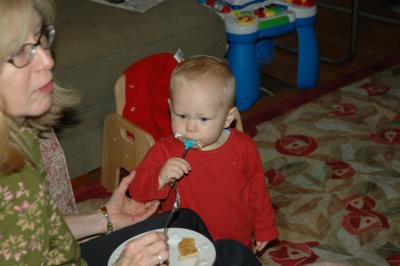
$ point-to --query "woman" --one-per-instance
(32, 231)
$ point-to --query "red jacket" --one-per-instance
(147, 91)
(226, 187)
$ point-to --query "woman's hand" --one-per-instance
(149, 250)
(124, 211)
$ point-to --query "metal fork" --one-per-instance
(177, 202)
(175, 208)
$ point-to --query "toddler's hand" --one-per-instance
(174, 168)
(259, 246)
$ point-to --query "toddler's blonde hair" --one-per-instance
(196, 68)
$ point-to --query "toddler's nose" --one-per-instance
(190, 126)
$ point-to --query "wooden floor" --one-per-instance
(376, 40)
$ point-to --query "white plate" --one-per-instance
(206, 248)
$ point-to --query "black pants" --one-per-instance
(229, 252)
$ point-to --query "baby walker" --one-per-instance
(250, 26)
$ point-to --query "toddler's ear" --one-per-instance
(230, 117)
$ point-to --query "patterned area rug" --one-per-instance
(333, 167)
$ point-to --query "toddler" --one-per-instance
(223, 181)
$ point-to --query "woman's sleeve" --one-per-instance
(32, 231)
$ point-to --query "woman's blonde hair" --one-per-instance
(195, 68)
(15, 17)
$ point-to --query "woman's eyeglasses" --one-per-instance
(24, 56)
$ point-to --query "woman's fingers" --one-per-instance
(123, 186)
(150, 238)
(150, 249)
(161, 258)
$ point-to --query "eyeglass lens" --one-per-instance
(25, 55)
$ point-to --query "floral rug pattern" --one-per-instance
(333, 168)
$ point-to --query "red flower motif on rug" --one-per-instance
(341, 170)
(293, 254)
(390, 136)
(274, 177)
(365, 203)
(332, 174)
(375, 89)
(358, 222)
(394, 260)
(344, 109)
(298, 145)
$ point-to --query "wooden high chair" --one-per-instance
(120, 149)
(124, 143)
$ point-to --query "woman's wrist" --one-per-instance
(86, 225)
(109, 228)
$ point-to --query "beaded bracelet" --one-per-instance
(110, 227)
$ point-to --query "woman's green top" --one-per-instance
(32, 231)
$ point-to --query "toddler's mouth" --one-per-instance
(188, 142)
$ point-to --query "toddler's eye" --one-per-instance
(181, 116)
(204, 119)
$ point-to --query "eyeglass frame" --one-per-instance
(48, 31)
